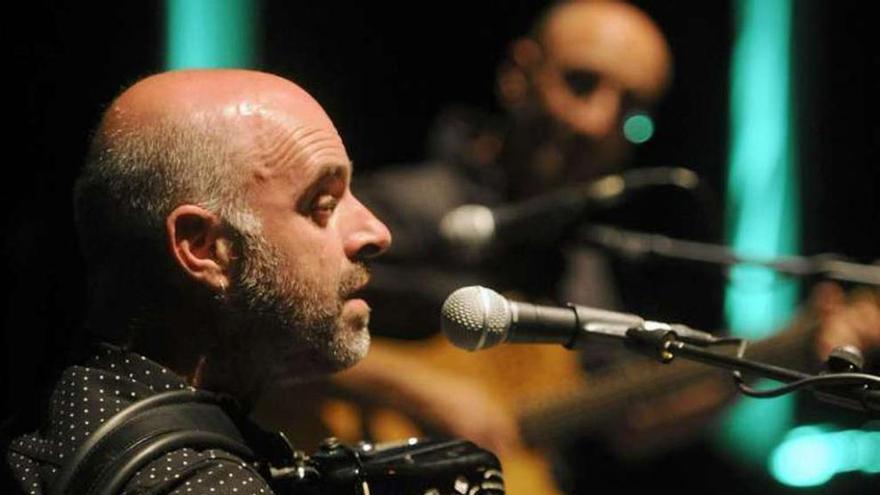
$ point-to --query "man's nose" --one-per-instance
(366, 236)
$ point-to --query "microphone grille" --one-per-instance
(475, 318)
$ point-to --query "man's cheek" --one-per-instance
(321, 278)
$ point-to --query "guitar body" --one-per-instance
(552, 399)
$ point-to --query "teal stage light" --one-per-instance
(763, 221)
(762, 204)
(812, 455)
(210, 33)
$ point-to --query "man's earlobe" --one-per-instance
(198, 245)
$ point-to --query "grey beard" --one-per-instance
(286, 328)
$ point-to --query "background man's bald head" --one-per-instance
(611, 37)
(585, 67)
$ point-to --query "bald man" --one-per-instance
(225, 253)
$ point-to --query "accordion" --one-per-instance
(414, 466)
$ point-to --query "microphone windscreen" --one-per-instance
(475, 318)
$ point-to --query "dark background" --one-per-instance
(383, 72)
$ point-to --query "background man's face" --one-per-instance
(598, 64)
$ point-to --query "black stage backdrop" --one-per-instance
(382, 72)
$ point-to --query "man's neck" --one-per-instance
(196, 349)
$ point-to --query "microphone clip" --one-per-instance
(653, 339)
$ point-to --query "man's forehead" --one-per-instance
(301, 153)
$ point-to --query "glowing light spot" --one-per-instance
(812, 455)
(638, 128)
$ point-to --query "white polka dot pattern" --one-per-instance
(88, 395)
(189, 472)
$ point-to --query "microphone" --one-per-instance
(475, 318)
(473, 228)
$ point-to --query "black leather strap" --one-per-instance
(143, 432)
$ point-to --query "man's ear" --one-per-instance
(199, 245)
(515, 75)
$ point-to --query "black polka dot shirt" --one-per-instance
(88, 395)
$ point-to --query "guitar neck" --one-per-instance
(546, 420)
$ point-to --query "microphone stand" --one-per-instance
(858, 391)
(636, 244)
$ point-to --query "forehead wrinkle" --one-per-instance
(280, 144)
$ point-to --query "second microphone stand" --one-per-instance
(841, 387)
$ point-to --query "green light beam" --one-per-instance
(761, 204)
(210, 33)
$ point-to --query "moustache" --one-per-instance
(354, 280)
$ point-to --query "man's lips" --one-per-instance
(357, 313)
(355, 294)
(358, 291)
(355, 298)
(353, 301)
(357, 304)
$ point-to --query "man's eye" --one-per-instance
(581, 82)
(324, 207)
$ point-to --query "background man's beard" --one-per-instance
(290, 328)
(544, 153)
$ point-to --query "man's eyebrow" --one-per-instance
(330, 170)
(318, 173)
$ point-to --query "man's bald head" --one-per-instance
(188, 137)
(230, 97)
